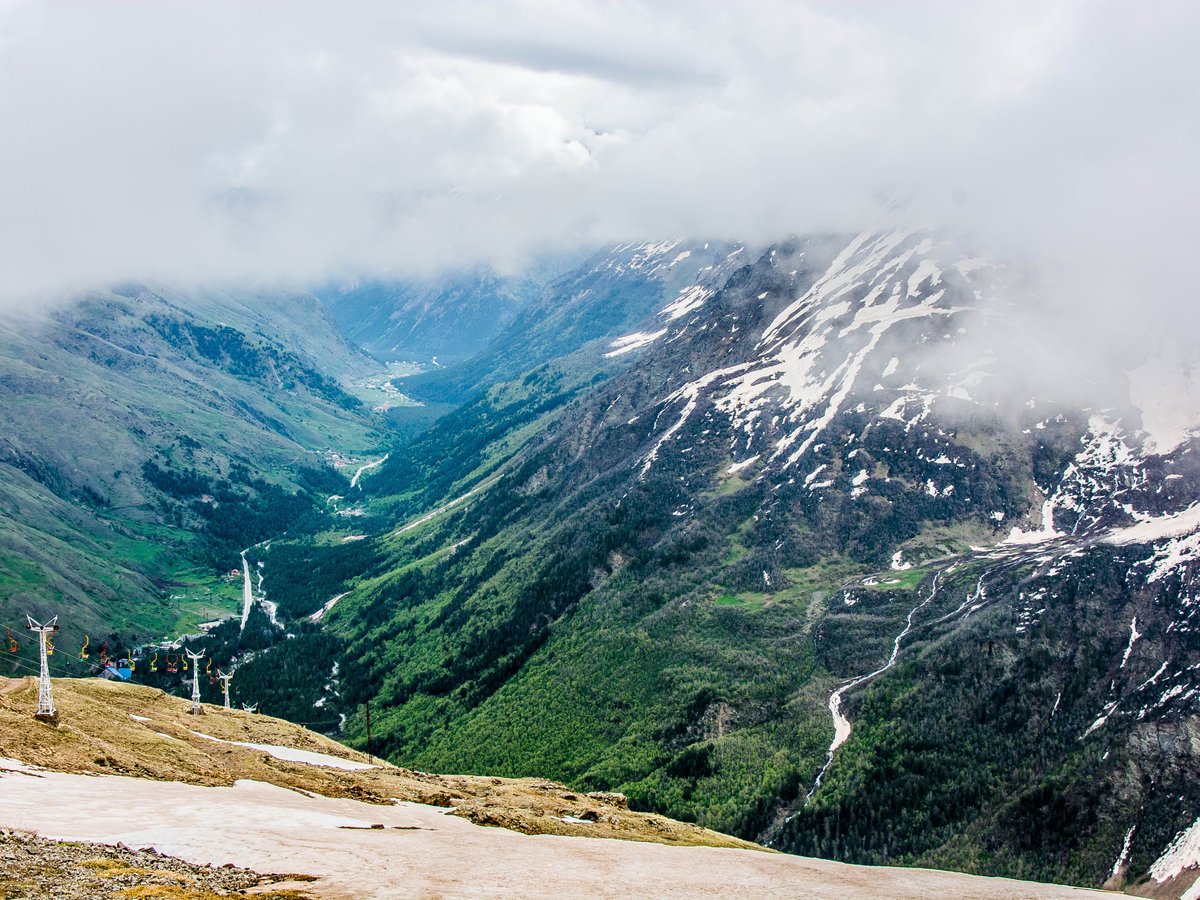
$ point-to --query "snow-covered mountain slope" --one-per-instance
(903, 328)
(893, 375)
(833, 550)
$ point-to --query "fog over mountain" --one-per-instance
(283, 143)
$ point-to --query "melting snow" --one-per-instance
(634, 341)
(689, 298)
(1108, 711)
(793, 356)
(1046, 533)
(690, 392)
(1157, 529)
(1183, 853)
(1134, 634)
(1119, 864)
(1153, 678)
(737, 467)
(291, 754)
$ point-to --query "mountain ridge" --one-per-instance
(744, 465)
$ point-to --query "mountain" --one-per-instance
(818, 494)
(821, 544)
(148, 432)
(607, 294)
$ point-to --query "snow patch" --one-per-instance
(634, 341)
(1046, 533)
(737, 467)
(689, 298)
(291, 754)
(1119, 865)
(1134, 634)
(1183, 853)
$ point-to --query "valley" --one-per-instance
(634, 450)
(798, 564)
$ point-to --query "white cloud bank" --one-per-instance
(280, 142)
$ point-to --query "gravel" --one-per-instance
(35, 868)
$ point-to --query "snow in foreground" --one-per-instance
(420, 851)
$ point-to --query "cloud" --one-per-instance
(284, 142)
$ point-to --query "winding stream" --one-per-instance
(841, 724)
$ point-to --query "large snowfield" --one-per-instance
(421, 851)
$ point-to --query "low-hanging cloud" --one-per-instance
(285, 142)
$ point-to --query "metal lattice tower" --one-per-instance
(46, 710)
(225, 679)
(250, 709)
(195, 658)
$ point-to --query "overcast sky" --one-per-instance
(289, 141)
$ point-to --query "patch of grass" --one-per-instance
(824, 577)
(748, 600)
(908, 580)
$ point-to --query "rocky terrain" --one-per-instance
(32, 868)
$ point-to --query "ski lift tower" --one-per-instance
(225, 678)
(195, 658)
(46, 711)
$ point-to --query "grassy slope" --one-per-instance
(88, 396)
(97, 734)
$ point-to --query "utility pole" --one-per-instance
(46, 711)
(225, 679)
(369, 755)
(250, 709)
(195, 658)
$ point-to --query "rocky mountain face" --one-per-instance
(821, 556)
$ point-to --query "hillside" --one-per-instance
(805, 559)
(147, 433)
(214, 800)
(121, 729)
